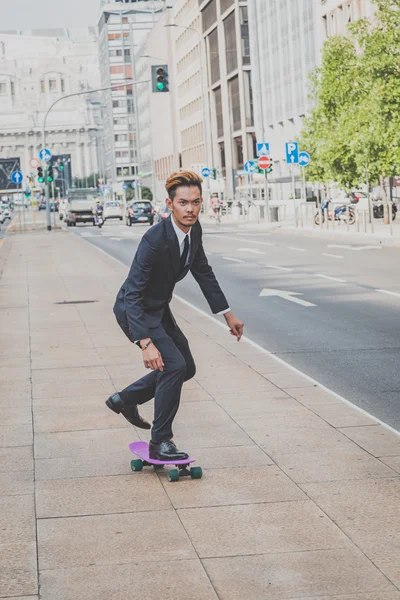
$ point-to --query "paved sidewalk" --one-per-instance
(300, 497)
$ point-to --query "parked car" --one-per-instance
(162, 213)
(42, 204)
(139, 212)
(113, 210)
(5, 210)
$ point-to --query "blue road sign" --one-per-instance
(292, 153)
(133, 185)
(250, 166)
(45, 154)
(206, 172)
(304, 159)
(17, 177)
(263, 149)
(124, 187)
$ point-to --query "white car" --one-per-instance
(113, 210)
(5, 211)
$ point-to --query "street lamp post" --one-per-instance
(110, 87)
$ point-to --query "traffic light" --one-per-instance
(269, 170)
(40, 177)
(61, 166)
(159, 78)
(50, 174)
(214, 173)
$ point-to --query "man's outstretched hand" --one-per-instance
(235, 326)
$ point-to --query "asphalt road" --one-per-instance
(345, 332)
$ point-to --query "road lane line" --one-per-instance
(115, 239)
(389, 293)
(207, 253)
(252, 250)
(264, 351)
(332, 255)
(331, 278)
(280, 268)
(298, 249)
(233, 259)
(236, 239)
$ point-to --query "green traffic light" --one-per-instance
(61, 167)
(40, 179)
(49, 179)
(160, 86)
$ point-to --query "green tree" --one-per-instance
(82, 182)
(146, 194)
(354, 126)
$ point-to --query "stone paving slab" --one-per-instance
(299, 499)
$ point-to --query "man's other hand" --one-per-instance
(235, 326)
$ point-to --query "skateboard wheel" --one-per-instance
(196, 472)
(136, 465)
(158, 467)
(173, 474)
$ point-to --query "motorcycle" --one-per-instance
(338, 214)
(379, 211)
(100, 221)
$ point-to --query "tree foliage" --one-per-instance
(354, 127)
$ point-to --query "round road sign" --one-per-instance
(264, 162)
(34, 163)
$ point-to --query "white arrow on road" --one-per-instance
(286, 296)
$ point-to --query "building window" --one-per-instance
(234, 100)
(249, 99)
(62, 85)
(121, 137)
(115, 103)
(225, 4)
(3, 88)
(52, 85)
(214, 55)
(244, 34)
(209, 15)
(239, 152)
(42, 86)
(114, 69)
(218, 112)
(222, 154)
(125, 19)
(2, 50)
(127, 52)
(12, 88)
(230, 43)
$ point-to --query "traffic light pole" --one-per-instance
(266, 198)
(104, 89)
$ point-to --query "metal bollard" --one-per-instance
(390, 219)
(347, 218)
(327, 218)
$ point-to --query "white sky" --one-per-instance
(44, 14)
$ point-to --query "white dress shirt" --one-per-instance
(181, 241)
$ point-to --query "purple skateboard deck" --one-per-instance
(141, 449)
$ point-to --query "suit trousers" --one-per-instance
(164, 386)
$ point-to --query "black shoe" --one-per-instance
(166, 450)
(129, 411)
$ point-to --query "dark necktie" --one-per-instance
(184, 253)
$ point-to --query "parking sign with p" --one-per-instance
(292, 153)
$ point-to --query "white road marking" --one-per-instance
(115, 239)
(280, 268)
(252, 250)
(233, 259)
(235, 239)
(298, 249)
(208, 253)
(331, 278)
(355, 248)
(86, 234)
(388, 292)
(286, 296)
(332, 255)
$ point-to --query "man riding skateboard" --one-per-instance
(166, 253)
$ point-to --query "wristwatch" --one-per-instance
(145, 346)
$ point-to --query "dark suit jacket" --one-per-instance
(147, 291)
